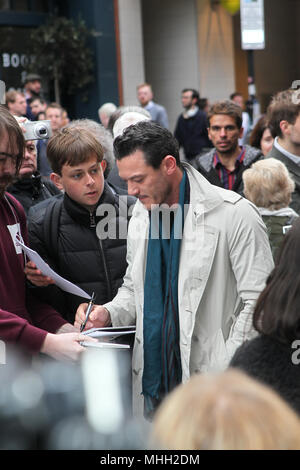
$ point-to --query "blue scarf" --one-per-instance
(162, 363)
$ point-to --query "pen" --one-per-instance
(88, 311)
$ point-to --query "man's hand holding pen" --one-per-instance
(98, 317)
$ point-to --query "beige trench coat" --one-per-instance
(225, 259)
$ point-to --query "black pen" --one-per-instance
(88, 311)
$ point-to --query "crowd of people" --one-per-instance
(176, 233)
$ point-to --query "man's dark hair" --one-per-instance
(155, 141)
(9, 125)
(233, 95)
(195, 94)
(282, 108)
(38, 98)
(277, 311)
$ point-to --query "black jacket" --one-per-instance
(204, 164)
(192, 135)
(271, 362)
(79, 254)
(32, 190)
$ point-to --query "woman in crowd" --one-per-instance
(269, 186)
(227, 411)
(261, 137)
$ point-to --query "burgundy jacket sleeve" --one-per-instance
(43, 315)
(19, 331)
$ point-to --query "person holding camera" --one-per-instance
(25, 322)
(30, 187)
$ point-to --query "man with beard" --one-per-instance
(191, 127)
(198, 257)
(25, 322)
(30, 188)
(224, 165)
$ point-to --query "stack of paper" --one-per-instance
(110, 333)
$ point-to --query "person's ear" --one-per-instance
(56, 179)
(104, 165)
(284, 126)
(169, 164)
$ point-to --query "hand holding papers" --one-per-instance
(65, 285)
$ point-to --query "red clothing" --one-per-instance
(228, 177)
(24, 320)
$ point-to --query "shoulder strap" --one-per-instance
(51, 224)
(13, 203)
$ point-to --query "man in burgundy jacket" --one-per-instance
(24, 321)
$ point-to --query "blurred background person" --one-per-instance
(269, 186)
(125, 109)
(54, 113)
(127, 119)
(274, 356)
(204, 104)
(157, 111)
(261, 137)
(191, 127)
(283, 116)
(227, 411)
(37, 106)
(41, 116)
(65, 118)
(105, 111)
(104, 138)
(32, 89)
(16, 103)
(239, 100)
(30, 188)
(126, 116)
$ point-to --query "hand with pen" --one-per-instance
(91, 316)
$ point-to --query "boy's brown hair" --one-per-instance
(70, 146)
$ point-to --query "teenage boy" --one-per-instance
(70, 232)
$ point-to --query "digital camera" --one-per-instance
(37, 130)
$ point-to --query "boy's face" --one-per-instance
(83, 183)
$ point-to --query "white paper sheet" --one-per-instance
(65, 285)
(109, 332)
(88, 344)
